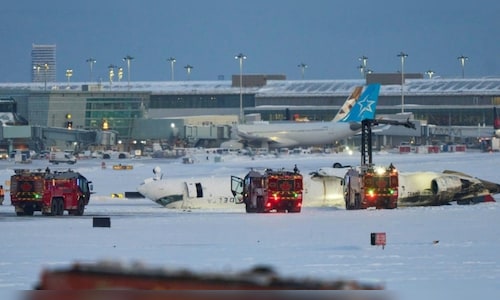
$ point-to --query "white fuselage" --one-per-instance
(294, 134)
(324, 189)
(215, 192)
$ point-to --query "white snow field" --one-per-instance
(445, 252)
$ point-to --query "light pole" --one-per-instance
(91, 62)
(361, 70)
(403, 56)
(69, 73)
(363, 67)
(429, 73)
(37, 67)
(120, 74)
(302, 67)
(188, 70)
(462, 60)
(241, 57)
(172, 61)
(128, 58)
(111, 75)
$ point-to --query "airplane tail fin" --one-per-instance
(348, 104)
(365, 106)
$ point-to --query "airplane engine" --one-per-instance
(446, 187)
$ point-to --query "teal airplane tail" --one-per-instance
(366, 105)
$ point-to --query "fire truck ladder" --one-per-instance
(366, 136)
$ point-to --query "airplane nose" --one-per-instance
(355, 126)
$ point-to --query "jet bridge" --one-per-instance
(38, 135)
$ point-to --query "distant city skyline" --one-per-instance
(277, 37)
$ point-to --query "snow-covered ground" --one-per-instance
(447, 252)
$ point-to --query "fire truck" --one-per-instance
(270, 190)
(368, 185)
(49, 192)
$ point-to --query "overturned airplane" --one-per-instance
(323, 188)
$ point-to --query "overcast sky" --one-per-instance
(276, 36)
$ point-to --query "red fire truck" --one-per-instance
(370, 186)
(269, 190)
(49, 192)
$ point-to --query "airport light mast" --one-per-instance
(403, 56)
(91, 61)
(302, 67)
(241, 57)
(462, 60)
(172, 61)
(128, 58)
(69, 73)
(364, 65)
(188, 68)
(111, 68)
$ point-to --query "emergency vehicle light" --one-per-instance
(380, 170)
(370, 193)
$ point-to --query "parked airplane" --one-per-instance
(293, 134)
(323, 188)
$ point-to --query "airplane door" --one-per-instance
(194, 189)
(236, 185)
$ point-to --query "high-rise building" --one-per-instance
(43, 63)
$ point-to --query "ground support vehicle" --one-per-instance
(56, 157)
(52, 193)
(270, 190)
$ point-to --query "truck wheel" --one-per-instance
(250, 209)
(393, 204)
(260, 204)
(60, 207)
(19, 213)
(357, 201)
(81, 208)
(53, 207)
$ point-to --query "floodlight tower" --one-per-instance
(172, 61)
(91, 61)
(128, 58)
(111, 68)
(403, 57)
(241, 57)
(188, 70)
(429, 73)
(69, 73)
(363, 67)
(462, 60)
(302, 67)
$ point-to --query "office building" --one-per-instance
(43, 63)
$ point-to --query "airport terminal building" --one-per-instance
(201, 113)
